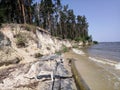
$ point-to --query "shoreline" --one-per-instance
(79, 81)
(96, 77)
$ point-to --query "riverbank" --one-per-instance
(29, 60)
(95, 76)
(20, 60)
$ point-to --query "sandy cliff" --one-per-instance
(28, 62)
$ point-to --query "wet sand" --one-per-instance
(95, 76)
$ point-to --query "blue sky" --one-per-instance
(103, 17)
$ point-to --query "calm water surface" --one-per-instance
(106, 50)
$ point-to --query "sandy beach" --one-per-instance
(95, 76)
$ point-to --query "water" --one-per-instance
(107, 56)
(107, 53)
(106, 50)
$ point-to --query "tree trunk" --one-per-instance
(29, 13)
(23, 12)
(19, 19)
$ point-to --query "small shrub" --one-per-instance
(77, 39)
(64, 49)
(95, 42)
(20, 40)
(30, 28)
(27, 27)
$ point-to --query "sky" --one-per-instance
(103, 17)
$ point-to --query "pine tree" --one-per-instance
(51, 15)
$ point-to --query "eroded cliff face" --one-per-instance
(49, 44)
(27, 44)
(28, 62)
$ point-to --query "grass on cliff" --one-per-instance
(21, 40)
(63, 50)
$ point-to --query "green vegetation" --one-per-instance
(21, 40)
(64, 49)
(78, 39)
(51, 15)
(29, 27)
(95, 42)
(84, 38)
